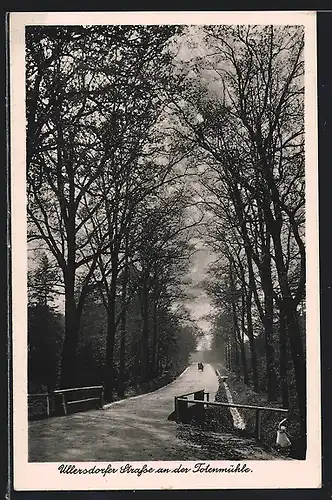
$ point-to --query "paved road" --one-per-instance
(134, 429)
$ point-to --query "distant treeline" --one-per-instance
(45, 344)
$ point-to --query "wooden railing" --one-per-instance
(46, 396)
(63, 401)
(182, 403)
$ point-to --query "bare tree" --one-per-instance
(80, 81)
(244, 109)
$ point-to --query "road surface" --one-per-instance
(134, 429)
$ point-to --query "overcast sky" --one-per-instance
(199, 304)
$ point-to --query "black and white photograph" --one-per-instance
(165, 262)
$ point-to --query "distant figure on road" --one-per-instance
(200, 366)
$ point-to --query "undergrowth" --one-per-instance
(242, 394)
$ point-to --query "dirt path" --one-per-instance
(133, 429)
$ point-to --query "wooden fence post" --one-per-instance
(63, 403)
(176, 409)
(48, 405)
(102, 397)
(182, 410)
(199, 395)
(200, 408)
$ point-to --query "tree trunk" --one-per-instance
(157, 360)
(283, 359)
(154, 341)
(247, 292)
(299, 363)
(109, 374)
(68, 357)
(145, 331)
(109, 369)
(272, 385)
(229, 355)
(293, 331)
(68, 361)
(235, 322)
(269, 350)
(236, 355)
(250, 333)
(122, 363)
(244, 363)
(242, 346)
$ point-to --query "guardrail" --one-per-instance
(41, 396)
(63, 401)
(182, 403)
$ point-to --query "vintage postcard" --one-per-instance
(165, 296)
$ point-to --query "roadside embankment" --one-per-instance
(234, 390)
